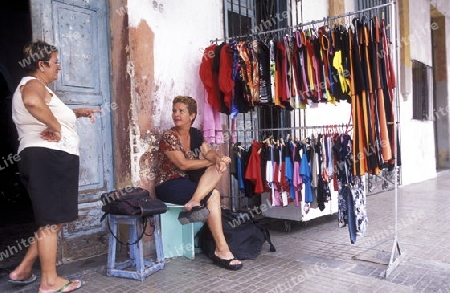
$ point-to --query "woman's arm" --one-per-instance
(212, 156)
(86, 112)
(177, 157)
(33, 96)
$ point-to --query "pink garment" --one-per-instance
(212, 126)
(276, 199)
(297, 182)
(233, 134)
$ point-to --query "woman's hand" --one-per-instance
(86, 112)
(50, 134)
(222, 163)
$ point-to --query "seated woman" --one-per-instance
(188, 174)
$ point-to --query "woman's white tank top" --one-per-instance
(29, 128)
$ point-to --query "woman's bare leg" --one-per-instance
(207, 183)
(44, 246)
(215, 225)
(23, 270)
(47, 248)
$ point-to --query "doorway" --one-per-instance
(440, 90)
(16, 215)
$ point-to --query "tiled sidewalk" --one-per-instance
(315, 256)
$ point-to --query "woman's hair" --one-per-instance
(34, 52)
(189, 102)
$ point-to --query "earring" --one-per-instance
(42, 70)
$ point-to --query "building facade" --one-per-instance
(131, 57)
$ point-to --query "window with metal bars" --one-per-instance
(248, 17)
(381, 13)
(422, 91)
(244, 19)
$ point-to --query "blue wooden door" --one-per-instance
(79, 28)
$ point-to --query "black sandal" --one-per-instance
(196, 214)
(226, 263)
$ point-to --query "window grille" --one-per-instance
(239, 17)
(422, 91)
(248, 18)
(381, 12)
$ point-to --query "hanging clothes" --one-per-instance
(305, 172)
(297, 179)
(253, 171)
(310, 65)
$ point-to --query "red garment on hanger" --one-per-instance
(206, 76)
(253, 171)
(226, 83)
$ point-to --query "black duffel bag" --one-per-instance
(245, 236)
(132, 201)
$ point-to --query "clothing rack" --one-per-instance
(325, 20)
(294, 127)
(396, 254)
(345, 128)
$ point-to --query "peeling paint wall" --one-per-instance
(141, 71)
(158, 58)
(166, 42)
(120, 92)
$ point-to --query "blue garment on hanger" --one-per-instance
(240, 175)
(351, 221)
(305, 172)
(289, 170)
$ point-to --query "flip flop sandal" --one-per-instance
(196, 214)
(25, 281)
(68, 284)
(226, 263)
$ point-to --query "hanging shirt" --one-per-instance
(226, 83)
(206, 76)
(253, 172)
(212, 126)
(305, 171)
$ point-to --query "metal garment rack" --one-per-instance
(325, 20)
(396, 254)
(296, 133)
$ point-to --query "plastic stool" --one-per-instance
(178, 240)
(143, 268)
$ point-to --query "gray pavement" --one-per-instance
(315, 256)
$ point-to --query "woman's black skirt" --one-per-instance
(51, 179)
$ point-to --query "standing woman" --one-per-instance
(49, 163)
(188, 174)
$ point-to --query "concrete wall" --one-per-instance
(165, 47)
(417, 137)
(120, 92)
(313, 10)
(161, 50)
(441, 88)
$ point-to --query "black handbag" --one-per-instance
(151, 206)
(132, 201)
